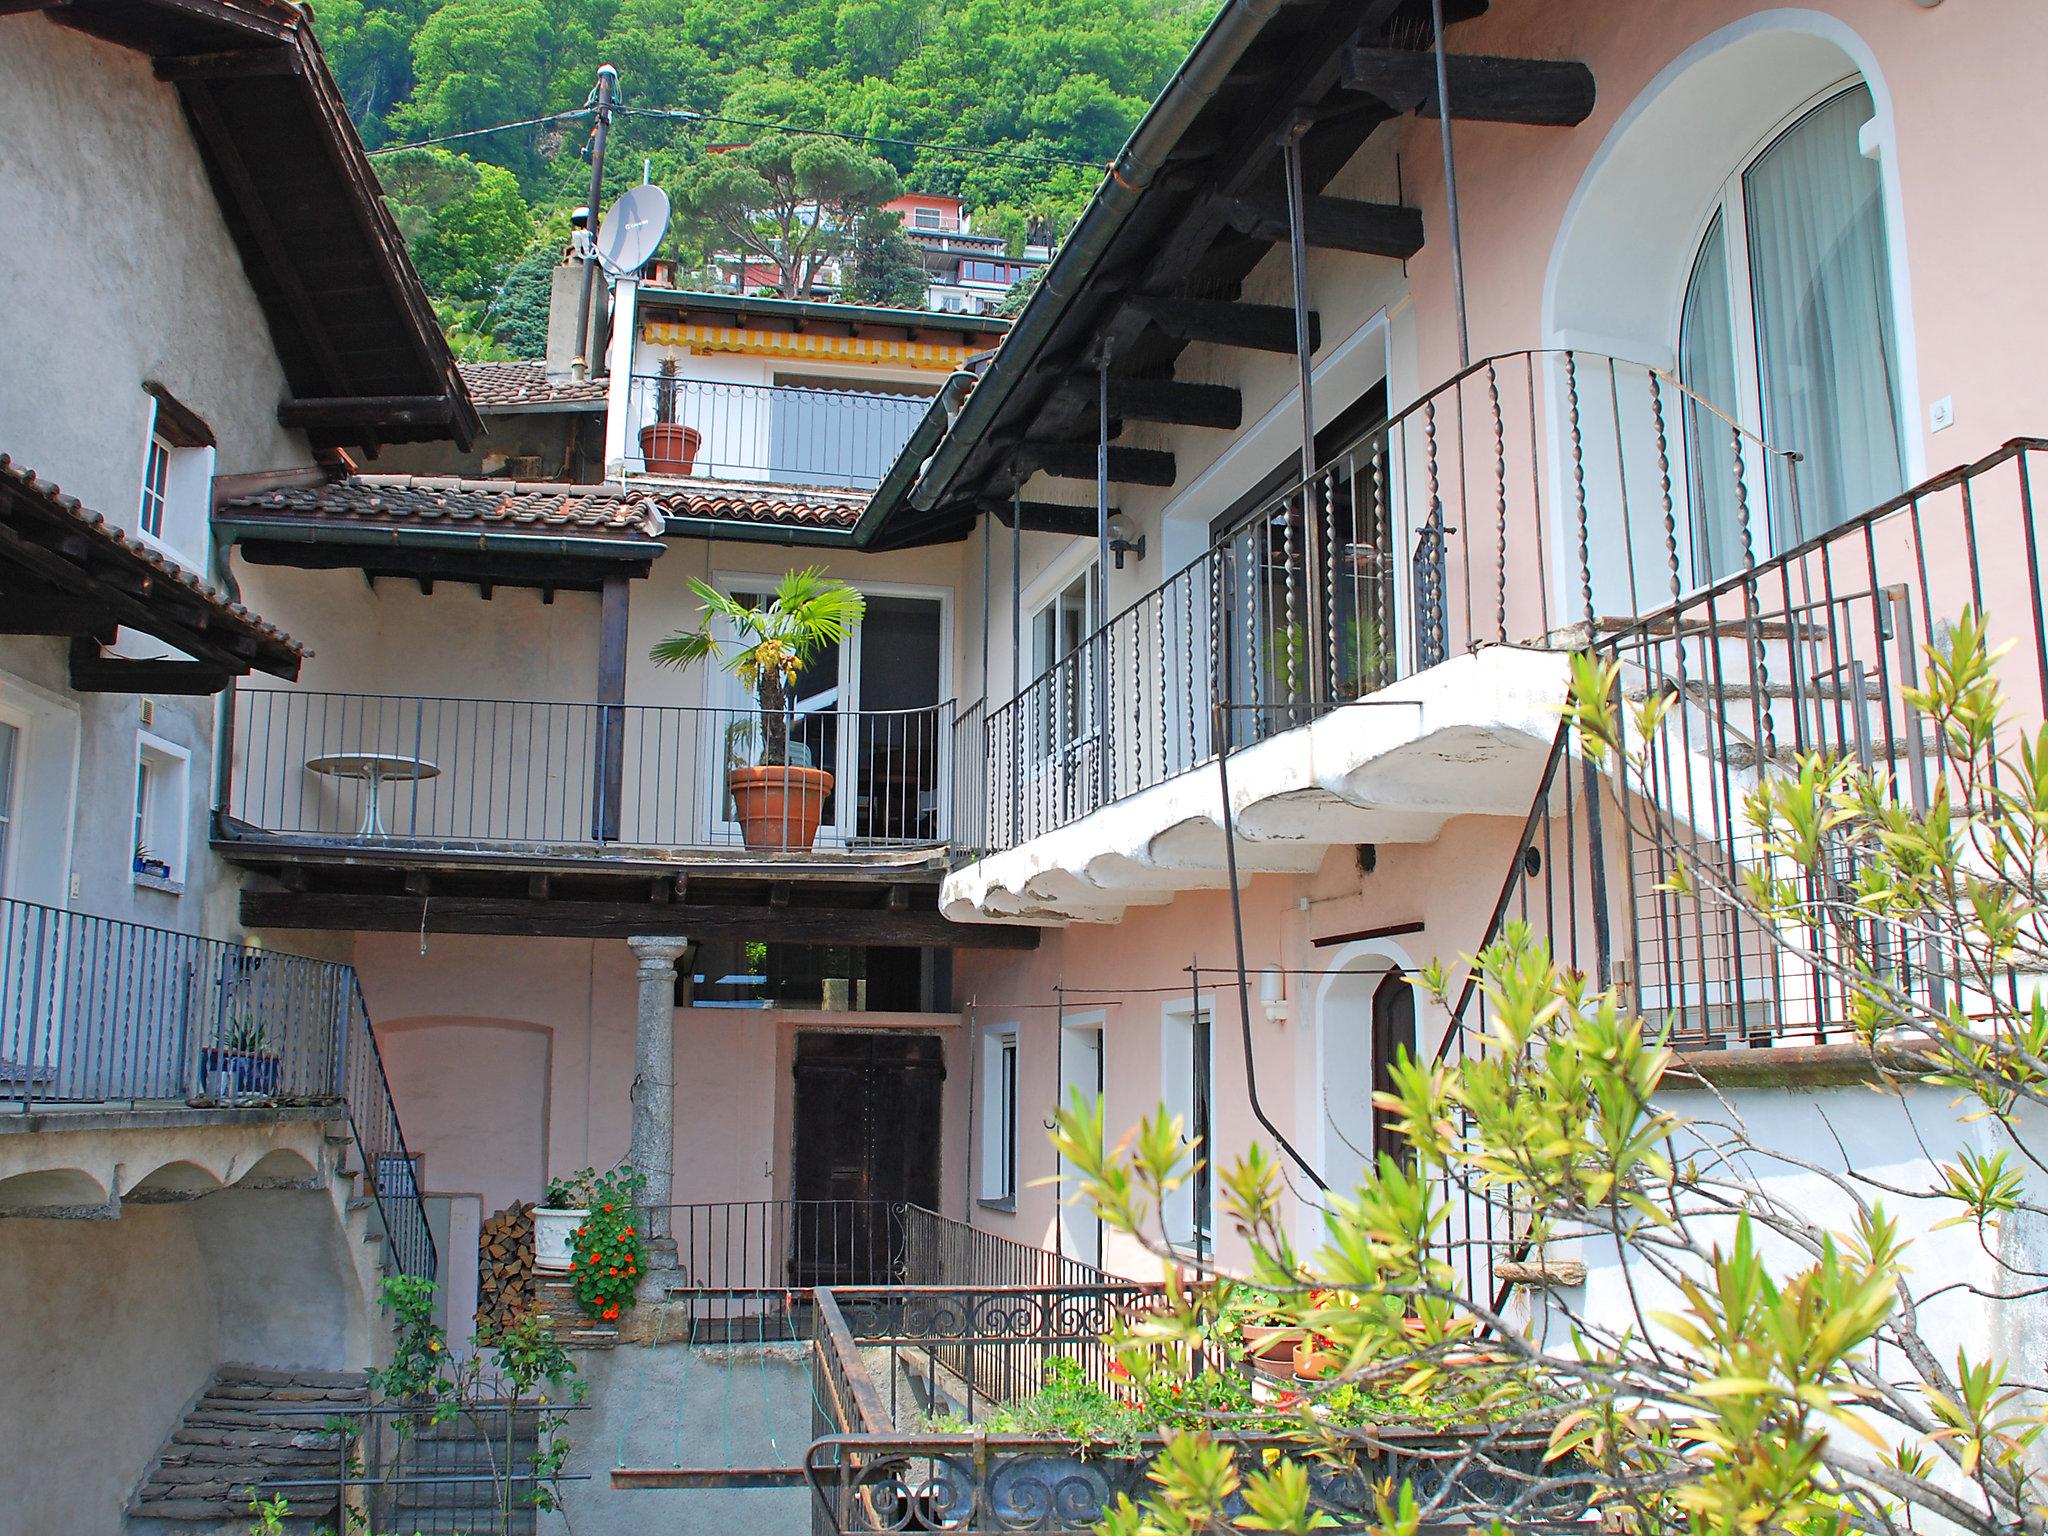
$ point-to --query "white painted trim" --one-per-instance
(1363, 958)
(169, 804)
(1375, 329)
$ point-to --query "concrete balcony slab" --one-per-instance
(1468, 737)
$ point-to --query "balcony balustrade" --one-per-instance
(97, 1011)
(392, 771)
(1532, 492)
(784, 434)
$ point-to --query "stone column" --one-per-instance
(652, 1150)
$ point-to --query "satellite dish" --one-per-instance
(632, 231)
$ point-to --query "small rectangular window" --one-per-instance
(998, 1185)
(161, 777)
(926, 218)
(156, 474)
(10, 750)
(1188, 1089)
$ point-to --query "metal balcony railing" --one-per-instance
(1526, 494)
(94, 1010)
(782, 433)
(1816, 650)
(388, 770)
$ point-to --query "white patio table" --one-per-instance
(375, 769)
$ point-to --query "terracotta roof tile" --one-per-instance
(496, 386)
(96, 524)
(611, 510)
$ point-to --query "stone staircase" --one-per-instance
(250, 1427)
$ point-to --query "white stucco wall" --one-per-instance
(122, 271)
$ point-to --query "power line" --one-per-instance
(987, 152)
(477, 133)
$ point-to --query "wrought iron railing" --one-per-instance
(93, 1010)
(1815, 650)
(392, 771)
(1522, 496)
(785, 434)
(882, 1462)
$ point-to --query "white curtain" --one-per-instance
(1706, 362)
(1820, 282)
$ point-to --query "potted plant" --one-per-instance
(147, 863)
(778, 800)
(666, 446)
(608, 1251)
(564, 1207)
(244, 1060)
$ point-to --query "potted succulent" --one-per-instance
(244, 1060)
(778, 800)
(666, 446)
(147, 863)
(564, 1207)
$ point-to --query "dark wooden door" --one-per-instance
(1393, 1037)
(867, 1141)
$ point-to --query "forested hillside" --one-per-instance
(1013, 104)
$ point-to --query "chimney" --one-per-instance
(565, 292)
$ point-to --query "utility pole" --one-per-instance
(607, 89)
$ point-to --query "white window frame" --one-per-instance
(175, 493)
(920, 216)
(156, 476)
(1190, 1227)
(163, 776)
(996, 1176)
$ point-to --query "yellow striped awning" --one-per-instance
(940, 357)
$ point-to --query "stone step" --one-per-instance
(250, 1425)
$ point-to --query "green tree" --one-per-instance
(882, 266)
(1791, 1386)
(788, 201)
(465, 222)
(519, 318)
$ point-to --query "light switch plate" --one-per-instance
(1942, 414)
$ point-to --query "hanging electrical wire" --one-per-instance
(477, 133)
(977, 151)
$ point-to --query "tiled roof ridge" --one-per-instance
(98, 524)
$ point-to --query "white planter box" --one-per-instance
(552, 1236)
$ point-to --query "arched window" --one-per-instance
(1787, 326)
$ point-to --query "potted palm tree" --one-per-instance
(778, 803)
(667, 447)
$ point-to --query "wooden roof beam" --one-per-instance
(92, 672)
(1167, 400)
(221, 143)
(1076, 461)
(349, 413)
(1545, 93)
(232, 64)
(1258, 327)
(1068, 518)
(1333, 223)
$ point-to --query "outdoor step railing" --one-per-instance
(96, 1010)
(489, 773)
(1815, 650)
(1532, 492)
(782, 433)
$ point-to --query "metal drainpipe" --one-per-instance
(1311, 539)
(1443, 117)
(607, 79)
(1101, 690)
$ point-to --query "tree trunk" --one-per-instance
(774, 720)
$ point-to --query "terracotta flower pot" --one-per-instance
(1269, 1348)
(669, 448)
(779, 805)
(1313, 1362)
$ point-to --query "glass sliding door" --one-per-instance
(1787, 327)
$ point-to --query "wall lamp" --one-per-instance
(1273, 995)
(1125, 540)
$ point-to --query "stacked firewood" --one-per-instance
(504, 1285)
